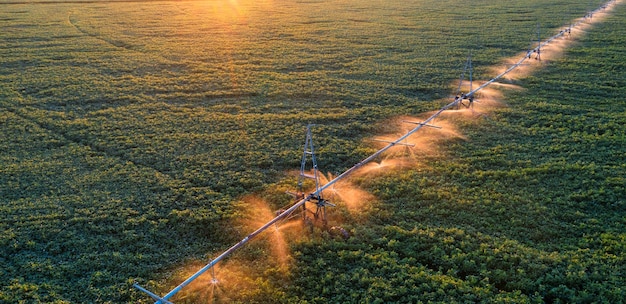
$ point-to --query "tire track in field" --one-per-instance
(115, 43)
(118, 43)
(23, 114)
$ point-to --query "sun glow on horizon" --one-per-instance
(232, 10)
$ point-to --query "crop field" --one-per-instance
(139, 139)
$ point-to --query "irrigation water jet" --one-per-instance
(398, 142)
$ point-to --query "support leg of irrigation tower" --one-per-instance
(316, 197)
(463, 96)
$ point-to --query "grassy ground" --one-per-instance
(530, 208)
(130, 132)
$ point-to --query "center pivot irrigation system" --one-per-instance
(315, 198)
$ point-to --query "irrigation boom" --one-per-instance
(317, 193)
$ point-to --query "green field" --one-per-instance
(132, 131)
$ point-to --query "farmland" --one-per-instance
(133, 133)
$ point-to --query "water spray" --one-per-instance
(316, 196)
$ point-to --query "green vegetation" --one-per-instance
(530, 209)
(130, 132)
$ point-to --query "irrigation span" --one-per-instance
(315, 196)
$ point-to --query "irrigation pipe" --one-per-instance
(317, 193)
